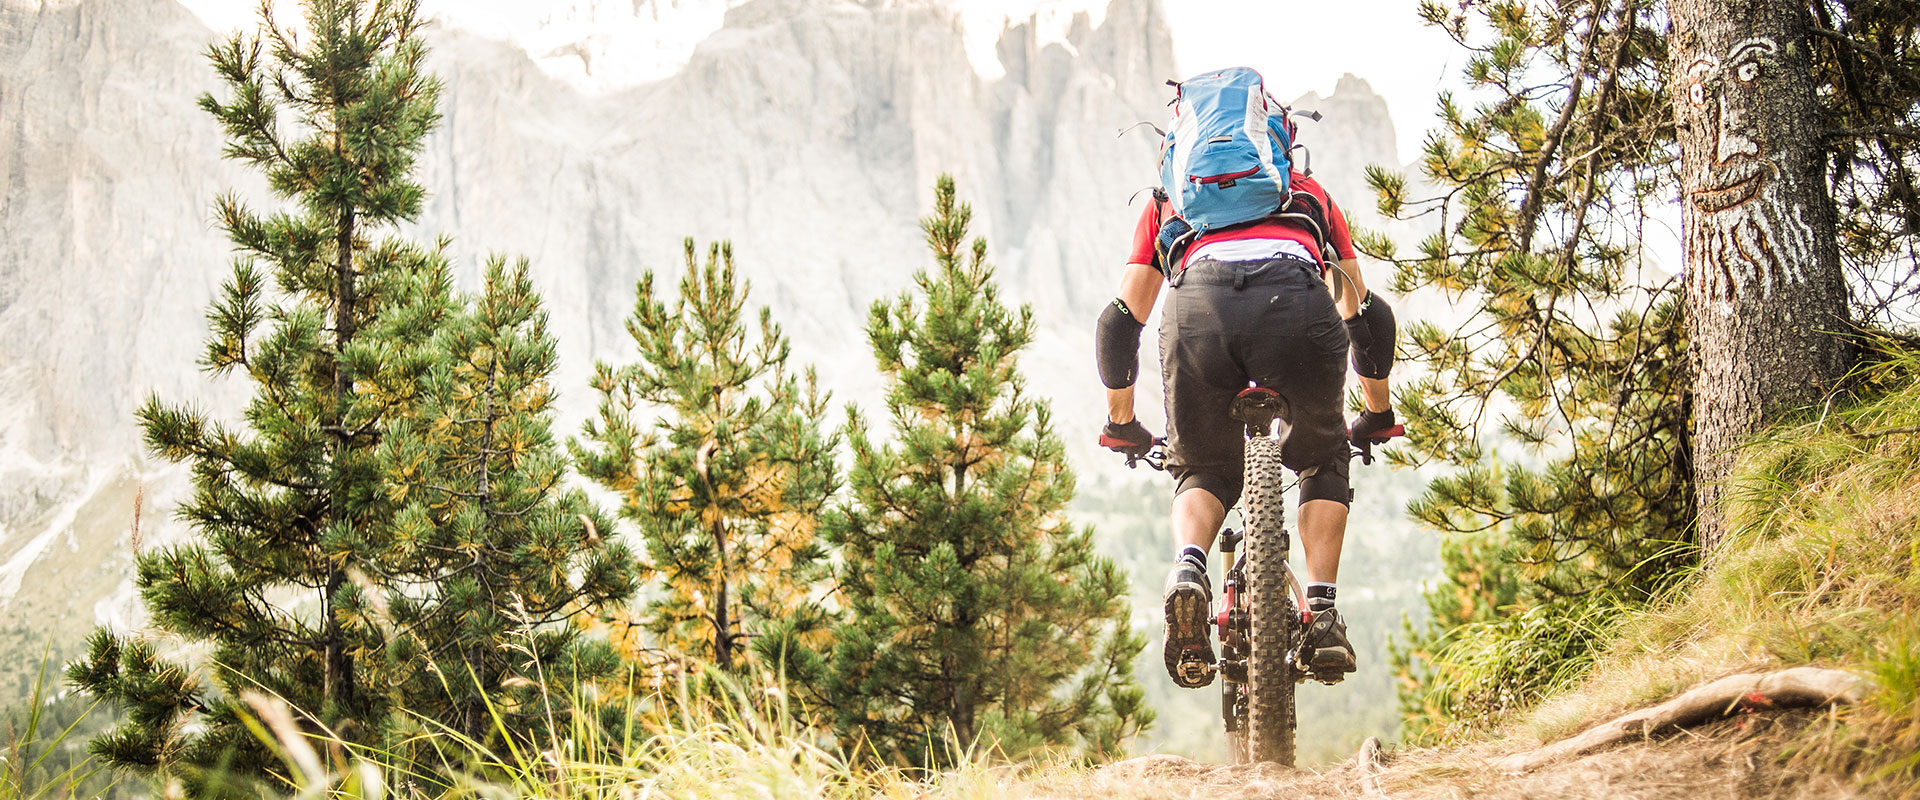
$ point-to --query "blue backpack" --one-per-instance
(1227, 155)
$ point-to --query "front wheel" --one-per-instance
(1273, 620)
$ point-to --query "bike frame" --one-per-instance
(1260, 409)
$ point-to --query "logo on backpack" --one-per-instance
(1227, 154)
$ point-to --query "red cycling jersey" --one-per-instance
(1148, 229)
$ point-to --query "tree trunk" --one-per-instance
(1765, 294)
(474, 718)
(722, 621)
(960, 699)
(339, 662)
(965, 733)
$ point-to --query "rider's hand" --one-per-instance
(1129, 438)
(1370, 424)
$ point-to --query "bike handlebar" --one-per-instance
(1364, 448)
(1155, 456)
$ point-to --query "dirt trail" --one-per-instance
(1734, 759)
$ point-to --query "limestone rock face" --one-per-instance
(807, 132)
(107, 260)
(1354, 131)
(107, 173)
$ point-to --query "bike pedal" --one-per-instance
(1329, 679)
(1328, 674)
(1196, 671)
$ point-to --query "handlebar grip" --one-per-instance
(1363, 448)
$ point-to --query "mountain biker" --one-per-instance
(1249, 304)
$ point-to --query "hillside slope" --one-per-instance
(1822, 578)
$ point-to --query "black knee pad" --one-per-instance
(1226, 490)
(1116, 346)
(1372, 332)
(1329, 482)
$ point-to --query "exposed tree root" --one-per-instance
(1371, 764)
(1792, 688)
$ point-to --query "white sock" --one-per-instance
(1320, 595)
(1194, 554)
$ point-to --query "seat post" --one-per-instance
(1258, 407)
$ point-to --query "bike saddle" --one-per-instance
(1258, 407)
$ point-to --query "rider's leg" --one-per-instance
(1197, 517)
(1323, 525)
(1198, 511)
(1323, 528)
(1318, 445)
(1187, 650)
(1204, 449)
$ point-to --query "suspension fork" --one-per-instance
(1230, 713)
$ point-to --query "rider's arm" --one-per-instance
(1373, 391)
(1377, 326)
(1139, 290)
(1349, 302)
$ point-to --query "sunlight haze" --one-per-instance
(1298, 47)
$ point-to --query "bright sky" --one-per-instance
(1302, 47)
(1298, 46)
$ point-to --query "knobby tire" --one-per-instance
(1273, 617)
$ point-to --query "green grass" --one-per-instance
(1498, 668)
(43, 747)
(1822, 568)
(711, 739)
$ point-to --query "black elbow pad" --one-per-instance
(1116, 346)
(1372, 332)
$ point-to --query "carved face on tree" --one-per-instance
(1720, 96)
(1748, 238)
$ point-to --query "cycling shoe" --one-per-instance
(1329, 655)
(1188, 648)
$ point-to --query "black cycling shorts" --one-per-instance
(1230, 325)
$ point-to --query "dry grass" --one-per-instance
(1824, 570)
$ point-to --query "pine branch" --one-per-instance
(1875, 131)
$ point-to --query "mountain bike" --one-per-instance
(1258, 616)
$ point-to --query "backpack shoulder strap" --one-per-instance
(1304, 209)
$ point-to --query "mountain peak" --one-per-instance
(1351, 85)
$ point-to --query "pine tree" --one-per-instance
(726, 487)
(499, 555)
(288, 505)
(1574, 356)
(974, 611)
(1543, 191)
(1866, 71)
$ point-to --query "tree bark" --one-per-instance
(340, 682)
(722, 616)
(1766, 300)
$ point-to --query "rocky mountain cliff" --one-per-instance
(807, 132)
